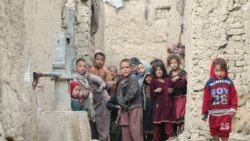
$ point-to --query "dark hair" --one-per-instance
(146, 76)
(112, 66)
(155, 61)
(173, 56)
(80, 59)
(126, 60)
(162, 67)
(134, 60)
(221, 62)
(99, 53)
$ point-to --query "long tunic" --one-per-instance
(162, 110)
(102, 114)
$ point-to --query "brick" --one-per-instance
(236, 26)
(235, 70)
(240, 63)
(236, 57)
(237, 38)
(236, 31)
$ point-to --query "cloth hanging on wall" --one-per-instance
(115, 3)
(95, 8)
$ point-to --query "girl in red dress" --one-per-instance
(160, 87)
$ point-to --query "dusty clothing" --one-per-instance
(103, 72)
(147, 116)
(180, 86)
(168, 130)
(128, 93)
(162, 111)
(133, 131)
(219, 100)
(115, 130)
(102, 114)
(220, 125)
(76, 105)
(179, 96)
(88, 103)
(129, 98)
(113, 89)
(95, 8)
(148, 104)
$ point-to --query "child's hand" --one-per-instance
(204, 119)
(85, 94)
(232, 113)
(174, 79)
(90, 89)
(110, 84)
(158, 90)
(170, 90)
(118, 107)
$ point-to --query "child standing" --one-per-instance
(179, 80)
(129, 98)
(76, 99)
(134, 61)
(99, 69)
(144, 70)
(148, 104)
(98, 103)
(114, 107)
(219, 100)
(162, 111)
(114, 77)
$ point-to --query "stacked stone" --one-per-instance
(82, 28)
(219, 29)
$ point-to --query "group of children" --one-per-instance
(143, 102)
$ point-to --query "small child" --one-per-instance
(162, 110)
(100, 124)
(179, 80)
(219, 100)
(129, 98)
(114, 77)
(76, 99)
(99, 69)
(115, 132)
(148, 104)
(142, 68)
(134, 61)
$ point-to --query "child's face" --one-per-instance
(76, 91)
(158, 72)
(113, 72)
(99, 61)
(174, 65)
(220, 73)
(148, 79)
(134, 68)
(140, 68)
(125, 69)
(81, 67)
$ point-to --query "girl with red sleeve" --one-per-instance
(162, 109)
(179, 80)
(219, 100)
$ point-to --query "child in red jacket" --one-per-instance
(219, 100)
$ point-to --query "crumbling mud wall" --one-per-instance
(141, 28)
(217, 29)
(26, 45)
(211, 29)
